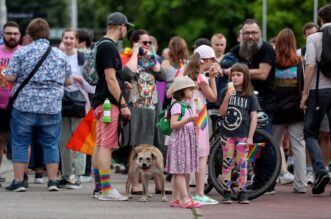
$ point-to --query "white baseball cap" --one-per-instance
(205, 52)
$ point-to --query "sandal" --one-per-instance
(189, 204)
(205, 200)
(174, 203)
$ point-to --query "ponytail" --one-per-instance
(193, 68)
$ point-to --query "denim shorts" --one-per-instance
(45, 128)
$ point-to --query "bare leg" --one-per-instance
(182, 188)
(200, 176)
(19, 169)
(52, 169)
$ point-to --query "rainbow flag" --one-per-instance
(254, 151)
(202, 119)
(84, 137)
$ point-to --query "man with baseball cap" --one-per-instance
(117, 18)
(111, 87)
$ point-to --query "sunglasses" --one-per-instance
(147, 42)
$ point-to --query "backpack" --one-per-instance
(164, 117)
(90, 73)
(324, 64)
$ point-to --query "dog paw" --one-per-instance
(164, 199)
(150, 195)
(143, 199)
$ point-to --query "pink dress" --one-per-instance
(198, 102)
(182, 156)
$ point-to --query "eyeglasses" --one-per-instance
(12, 33)
(147, 42)
(253, 33)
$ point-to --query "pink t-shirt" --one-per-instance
(5, 88)
(177, 109)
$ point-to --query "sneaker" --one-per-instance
(85, 179)
(96, 193)
(321, 181)
(242, 198)
(16, 186)
(38, 179)
(69, 185)
(112, 195)
(2, 179)
(270, 191)
(299, 191)
(310, 178)
(204, 200)
(286, 178)
(227, 198)
(53, 185)
(26, 180)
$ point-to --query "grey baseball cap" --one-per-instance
(118, 18)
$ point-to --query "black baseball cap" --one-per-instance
(118, 18)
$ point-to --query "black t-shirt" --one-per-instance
(236, 122)
(289, 84)
(107, 56)
(266, 54)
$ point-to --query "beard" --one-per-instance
(249, 49)
(10, 43)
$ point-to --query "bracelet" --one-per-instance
(123, 105)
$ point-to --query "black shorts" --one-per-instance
(3, 121)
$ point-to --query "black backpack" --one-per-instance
(325, 64)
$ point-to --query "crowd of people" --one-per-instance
(37, 123)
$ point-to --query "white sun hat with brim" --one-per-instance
(182, 82)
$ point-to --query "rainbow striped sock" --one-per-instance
(96, 178)
(105, 184)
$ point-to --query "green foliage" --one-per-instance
(287, 13)
(190, 19)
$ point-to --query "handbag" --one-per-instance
(73, 104)
(13, 98)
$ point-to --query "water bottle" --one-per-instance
(106, 111)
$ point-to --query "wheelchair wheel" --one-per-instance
(260, 177)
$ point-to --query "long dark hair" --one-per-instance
(134, 36)
(247, 88)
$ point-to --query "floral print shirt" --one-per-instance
(43, 94)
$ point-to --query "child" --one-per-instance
(202, 61)
(182, 157)
(238, 109)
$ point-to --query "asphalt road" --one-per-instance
(37, 203)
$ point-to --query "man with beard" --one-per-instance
(260, 58)
(11, 37)
(110, 86)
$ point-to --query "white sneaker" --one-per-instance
(286, 178)
(112, 195)
(38, 180)
(310, 178)
(85, 179)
